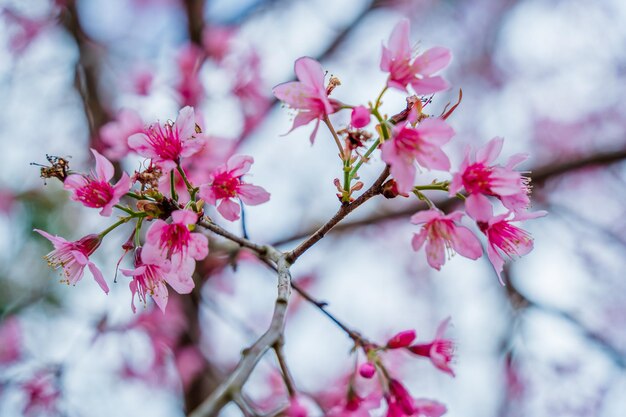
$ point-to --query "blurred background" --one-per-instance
(547, 75)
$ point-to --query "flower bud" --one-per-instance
(367, 370)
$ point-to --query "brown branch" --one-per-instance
(86, 71)
(259, 249)
(280, 357)
(195, 19)
(539, 177)
(251, 356)
(316, 236)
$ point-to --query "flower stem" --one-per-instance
(125, 209)
(190, 189)
(173, 186)
(114, 226)
(337, 141)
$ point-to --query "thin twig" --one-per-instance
(280, 356)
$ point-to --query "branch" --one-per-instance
(261, 250)
(539, 177)
(251, 356)
(315, 237)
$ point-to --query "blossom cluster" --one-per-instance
(413, 140)
(186, 170)
(172, 244)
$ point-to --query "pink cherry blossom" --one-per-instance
(217, 40)
(225, 184)
(401, 340)
(73, 257)
(175, 240)
(443, 234)
(167, 144)
(42, 395)
(308, 95)
(397, 60)
(440, 350)
(94, 190)
(480, 178)
(23, 30)
(115, 134)
(189, 87)
(422, 144)
(10, 340)
(152, 272)
(503, 238)
(429, 408)
(360, 117)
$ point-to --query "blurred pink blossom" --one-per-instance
(10, 340)
(115, 133)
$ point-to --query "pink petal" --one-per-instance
(311, 73)
(432, 60)
(425, 216)
(97, 275)
(207, 194)
(184, 217)
(399, 40)
(418, 240)
(496, 260)
(56, 240)
(478, 207)
(490, 151)
(432, 157)
(198, 246)
(253, 194)
(436, 131)
(140, 144)
(402, 170)
(160, 295)
(429, 85)
(181, 280)
(238, 165)
(74, 182)
(229, 209)
(186, 123)
(104, 167)
(435, 253)
(466, 244)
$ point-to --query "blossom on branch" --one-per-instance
(73, 257)
(440, 350)
(443, 234)
(480, 178)
(308, 95)
(397, 60)
(175, 240)
(503, 238)
(167, 144)
(225, 185)
(422, 144)
(94, 190)
(152, 272)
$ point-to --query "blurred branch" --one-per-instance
(86, 70)
(195, 19)
(520, 301)
(539, 177)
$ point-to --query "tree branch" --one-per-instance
(538, 175)
(251, 356)
(316, 236)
